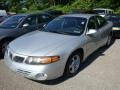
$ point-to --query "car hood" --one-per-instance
(4, 31)
(39, 43)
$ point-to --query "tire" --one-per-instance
(72, 65)
(3, 46)
(109, 40)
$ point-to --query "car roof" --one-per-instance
(102, 9)
(27, 14)
(79, 15)
(83, 11)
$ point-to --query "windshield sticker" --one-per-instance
(82, 22)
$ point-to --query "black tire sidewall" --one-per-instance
(108, 44)
(1, 46)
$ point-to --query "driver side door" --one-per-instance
(92, 39)
(28, 25)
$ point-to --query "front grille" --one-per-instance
(22, 72)
(18, 59)
(15, 58)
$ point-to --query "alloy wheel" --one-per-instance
(75, 64)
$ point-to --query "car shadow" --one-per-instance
(1, 57)
(85, 64)
(117, 37)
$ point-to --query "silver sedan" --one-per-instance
(60, 48)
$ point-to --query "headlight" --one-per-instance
(41, 60)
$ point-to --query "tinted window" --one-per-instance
(67, 25)
(11, 22)
(100, 11)
(93, 23)
(43, 18)
(54, 13)
(101, 21)
(31, 20)
(110, 12)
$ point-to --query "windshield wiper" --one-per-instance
(60, 32)
(65, 33)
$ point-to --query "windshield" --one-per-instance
(67, 25)
(11, 22)
(100, 11)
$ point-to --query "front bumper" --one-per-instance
(36, 72)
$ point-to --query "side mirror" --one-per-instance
(25, 25)
(91, 31)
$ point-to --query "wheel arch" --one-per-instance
(6, 38)
(81, 50)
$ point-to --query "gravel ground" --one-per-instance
(101, 71)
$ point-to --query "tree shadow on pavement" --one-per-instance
(85, 64)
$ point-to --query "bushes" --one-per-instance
(88, 4)
(117, 11)
(83, 4)
(71, 4)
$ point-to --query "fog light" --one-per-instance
(41, 76)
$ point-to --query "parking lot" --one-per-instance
(101, 71)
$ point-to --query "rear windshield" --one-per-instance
(100, 11)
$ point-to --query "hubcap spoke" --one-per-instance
(71, 68)
(74, 66)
